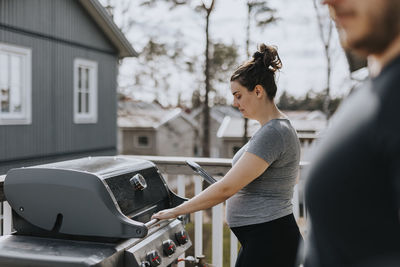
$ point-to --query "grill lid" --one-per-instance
(96, 196)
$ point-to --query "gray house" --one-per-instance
(58, 68)
(309, 125)
(149, 129)
(217, 115)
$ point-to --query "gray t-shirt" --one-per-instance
(269, 196)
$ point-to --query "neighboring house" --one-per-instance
(230, 135)
(308, 125)
(58, 68)
(217, 115)
(149, 129)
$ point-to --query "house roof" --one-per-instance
(233, 127)
(137, 114)
(307, 121)
(110, 29)
(308, 124)
(219, 112)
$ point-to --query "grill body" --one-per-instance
(90, 212)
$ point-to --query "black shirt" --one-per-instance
(353, 186)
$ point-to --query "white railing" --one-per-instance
(179, 177)
(5, 214)
(217, 222)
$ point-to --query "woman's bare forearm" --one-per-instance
(245, 170)
(213, 195)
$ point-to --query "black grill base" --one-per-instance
(22, 250)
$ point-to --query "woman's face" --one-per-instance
(244, 100)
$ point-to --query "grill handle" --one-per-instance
(151, 223)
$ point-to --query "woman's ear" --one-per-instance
(259, 90)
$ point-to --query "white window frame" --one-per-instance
(25, 116)
(91, 115)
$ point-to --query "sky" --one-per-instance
(295, 34)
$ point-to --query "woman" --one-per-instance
(259, 186)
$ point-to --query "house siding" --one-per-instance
(65, 20)
(176, 138)
(214, 141)
(228, 145)
(52, 133)
(129, 145)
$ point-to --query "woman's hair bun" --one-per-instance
(258, 55)
(268, 56)
(260, 70)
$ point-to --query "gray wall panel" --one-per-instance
(65, 19)
(27, 140)
(52, 129)
(52, 132)
(86, 136)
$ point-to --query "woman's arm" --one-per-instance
(246, 169)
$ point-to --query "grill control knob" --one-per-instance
(169, 247)
(154, 258)
(138, 182)
(145, 264)
(181, 237)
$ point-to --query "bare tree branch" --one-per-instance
(326, 41)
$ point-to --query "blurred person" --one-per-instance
(259, 186)
(353, 186)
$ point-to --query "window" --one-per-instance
(142, 141)
(85, 91)
(235, 149)
(15, 84)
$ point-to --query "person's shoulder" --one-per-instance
(276, 129)
(273, 126)
(388, 81)
(282, 126)
(387, 87)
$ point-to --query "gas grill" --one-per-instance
(94, 211)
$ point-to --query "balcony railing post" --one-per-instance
(198, 220)
(1, 218)
(7, 218)
(296, 202)
(234, 249)
(181, 182)
(217, 234)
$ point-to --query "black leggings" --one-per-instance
(273, 243)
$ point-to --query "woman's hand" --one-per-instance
(165, 214)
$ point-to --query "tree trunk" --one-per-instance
(327, 99)
(206, 108)
(326, 42)
(246, 121)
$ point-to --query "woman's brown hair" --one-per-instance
(260, 70)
